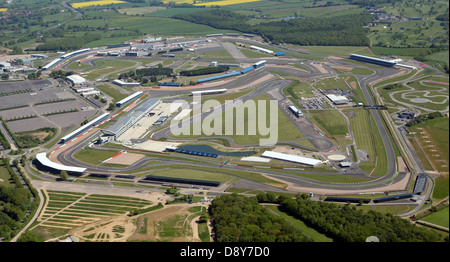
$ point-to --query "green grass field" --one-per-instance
(94, 156)
(286, 129)
(440, 217)
(436, 132)
(333, 121)
(112, 92)
(5, 177)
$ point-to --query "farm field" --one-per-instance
(65, 211)
(432, 137)
(95, 3)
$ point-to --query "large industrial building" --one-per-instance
(76, 79)
(131, 118)
(292, 158)
(337, 100)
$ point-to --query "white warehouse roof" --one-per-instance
(76, 79)
(42, 158)
(292, 158)
(337, 99)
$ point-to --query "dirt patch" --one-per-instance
(39, 135)
(402, 167)
(320, 68)
(353, 85)
(169, 224)
(343, 68)
(126, 159)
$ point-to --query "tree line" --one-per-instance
(340, 30)
(422, 118)
(14, 202)
(237, 218)
(347, 223)
(205, 71)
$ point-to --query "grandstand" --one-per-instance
(128, 99)
(372, 60)
(170, 180)
(169, 84)
(420, 184)
(212, 78)
(209, 92)
(191, 152)
(84, 128)
(292, 158)
(262, 49)
(43, 163)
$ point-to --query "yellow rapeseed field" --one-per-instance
(226, 2)
(219, 2)
(3, 9)
(100, 2)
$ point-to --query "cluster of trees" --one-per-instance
(4, 141)
(68, 43)
(60, 74)
(422, 118)
(347, 223)
(140, 74)
(34, 75)
(205, 71)
(340, 30)
(238, 218)
(14, 203)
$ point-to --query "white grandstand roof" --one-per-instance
(42, 158)
(209, 91)
(80, 129)
(291, 158)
